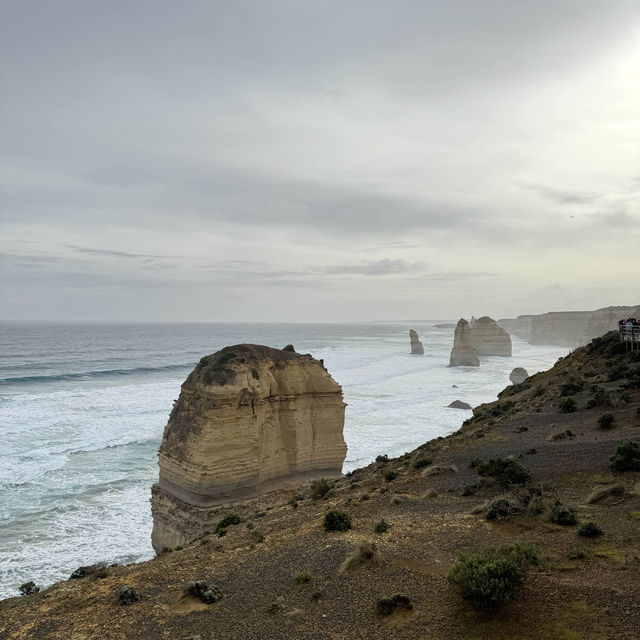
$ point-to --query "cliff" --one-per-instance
(490, 339)
(249, 420)
(568, 328)
(463, 353)
(416, 345)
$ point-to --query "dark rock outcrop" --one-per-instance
(416, 345)
(458, 404)
(463, 353)
(128, 595)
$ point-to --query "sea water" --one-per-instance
(83, 407)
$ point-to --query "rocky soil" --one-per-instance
(281, 575)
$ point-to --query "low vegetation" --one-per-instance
(606, 421)
(491, 578)
(336, 520)
(320, 488)
(505, 471)
(567, 405)
(626, 456)
(589, 530)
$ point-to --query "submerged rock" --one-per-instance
(250, 419)
(416, 345)
(489, 338)
(463, 353)
(518, 375)
(458, 404)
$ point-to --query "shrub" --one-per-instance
(563, 435)
(574, 385)
(386, 606)
(589, 530)
(626, 456)
(390, 475)
(303, 577)
(606, 421)
(567, 405)
(420, 463)
(257, 536)
(382, 526)
(229, 520)
(617, 372)
(365, 554)
(491, 578)
(498, 510)
(382, 458)
(505, 470)
(320, 488)
(336, 520)
(564, 516)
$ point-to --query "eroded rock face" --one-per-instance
(249, 419)
(416, 345)
(463, 353)
(518, 375)
(490, 339)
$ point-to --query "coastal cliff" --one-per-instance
(249, 420)
(568, 328)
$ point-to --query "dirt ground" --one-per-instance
(583, 588)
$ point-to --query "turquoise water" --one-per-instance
(82, 409)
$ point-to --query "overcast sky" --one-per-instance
(302, 160)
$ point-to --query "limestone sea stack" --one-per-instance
(463, 353)
(250, 419)
(416, 345)
(489, 338)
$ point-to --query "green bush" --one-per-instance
(491, 578)
(567, 405)
(320, 488)
(505, 470)
(382, 526)
(228, 521)
(336, 520)
(606, 421)
(382, 458)
(589, 530)
(626, 456)
(499, 510)
(303, 577)
(420, 463)
(564, 516)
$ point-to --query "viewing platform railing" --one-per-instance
(630, 336)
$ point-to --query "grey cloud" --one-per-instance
(559, 196)
(373, 268)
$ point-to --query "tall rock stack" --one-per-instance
(490, 339)
(250, 419)
(416, 345)
(463, 353)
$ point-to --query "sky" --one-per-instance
(317, 161)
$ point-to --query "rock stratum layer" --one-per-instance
(489, 338)
(463, 354)
(250, 419)
(416, 345)
(567, 328)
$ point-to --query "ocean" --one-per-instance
(83, 407)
